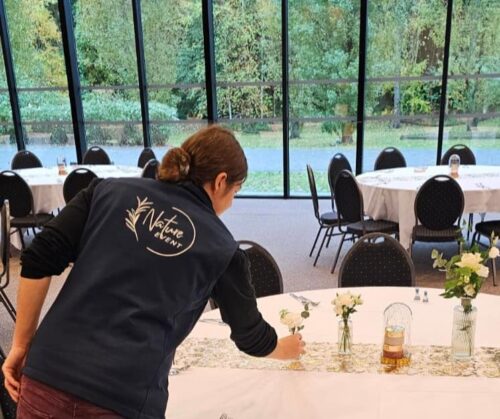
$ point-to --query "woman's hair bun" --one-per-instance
(175, 165)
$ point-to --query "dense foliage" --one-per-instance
(406, 39)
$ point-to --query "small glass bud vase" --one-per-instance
(344, 336)
(454, 163)
(464, 329)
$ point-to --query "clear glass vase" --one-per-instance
(344, 336)
(464, 329)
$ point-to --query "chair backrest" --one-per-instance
(15, 189)
(314, 192)
(96, 155)
(439, 203)
(264, 271)
(348, 198)
(146, 155)
(150, 169)
(5, 243)
(338, 163)
(25, 159)
(389, 158)
(77, 180)
(377, 260)
(465, 153)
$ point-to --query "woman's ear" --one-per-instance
(220, 182)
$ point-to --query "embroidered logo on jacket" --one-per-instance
(173, 229)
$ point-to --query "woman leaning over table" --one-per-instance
(147, 256)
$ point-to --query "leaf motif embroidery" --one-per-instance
(134, 214)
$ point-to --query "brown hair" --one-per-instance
(203, 156)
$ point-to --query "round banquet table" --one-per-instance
(261, 388)
(47, 185)
(390, 194)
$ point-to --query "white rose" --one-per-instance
(493, 253)
(338, 310)
(483, 271)
(358, 300)
(291, 320)
(346, 300)
(470, 290)
(470, 260)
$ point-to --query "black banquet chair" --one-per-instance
(465, 153)
(77, 180)
(5, 257)
(265, 273)
(377, 260)
(25, 159)
(327, 220)
(351, 219)
(146, 155)
(438, 211)
(96, 155)
(390, 158)
(15, 189)
(487, 229)
(338, 163)
(150, 169)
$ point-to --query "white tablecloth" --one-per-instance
(47, 185)
(390, 194)
(253, 393)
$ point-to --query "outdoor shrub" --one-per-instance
(59, 136)
(159, 135)
(97, 135)
(130, 135)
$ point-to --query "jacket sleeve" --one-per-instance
(56, 246)
(235, 296)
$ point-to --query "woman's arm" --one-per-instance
(49, 254)
(235, 297)
(30, 297)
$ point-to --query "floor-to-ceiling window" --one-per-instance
(38, 59)
(405, 53)
(104, 34)
(175, 70)
(473, 94)
(249, 96)
(323, 66)
(7, 139)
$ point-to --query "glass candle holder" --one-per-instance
(454, 164)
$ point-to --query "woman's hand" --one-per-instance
(290, 347)
(12, 368)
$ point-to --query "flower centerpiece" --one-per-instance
(294, 320)
(465, 274)
(344, 306)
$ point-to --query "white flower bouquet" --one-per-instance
(344, 305)
(465, 272)
(294, 320)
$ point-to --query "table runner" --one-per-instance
(322, 356)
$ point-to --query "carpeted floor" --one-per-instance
(287, 229)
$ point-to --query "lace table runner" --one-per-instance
(322, 356)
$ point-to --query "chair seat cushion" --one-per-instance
(487, 227)
(30, 220)
(372, 226)
(329, 218)
(424, 234)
